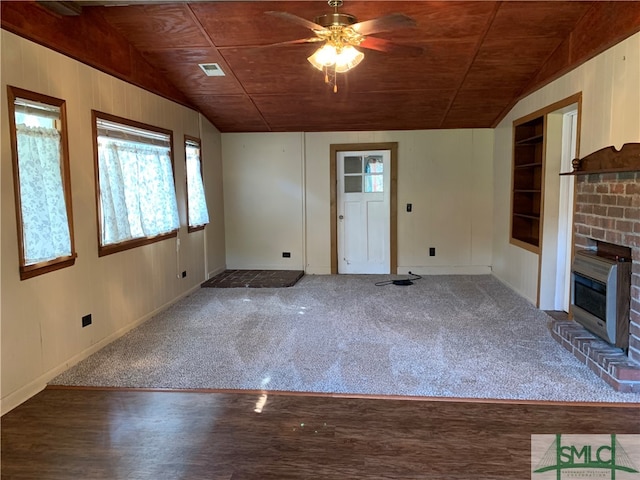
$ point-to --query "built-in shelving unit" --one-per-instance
(527, 177)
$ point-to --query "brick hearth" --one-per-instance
(606, 361)
(608, 210)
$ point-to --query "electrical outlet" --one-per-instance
(432, 251)
(86, 320)
(409, 207)
(286, 254)
(184, 274)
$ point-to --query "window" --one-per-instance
(41, 182)
(196, 201)
(136, 193)
(373, 168)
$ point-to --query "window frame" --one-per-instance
(104, 250)
(188, 138)
(40, 268)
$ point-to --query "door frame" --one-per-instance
(566, 203)
(556, 107)
(333, 204)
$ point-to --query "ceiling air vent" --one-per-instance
(211, 69)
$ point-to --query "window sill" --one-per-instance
(30, 271)
(196, 228)
(104, 250)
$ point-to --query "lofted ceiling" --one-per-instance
(478, 58)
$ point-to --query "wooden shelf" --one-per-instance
(527, 180)
(533, 140)
(526, 215)
(609, 160)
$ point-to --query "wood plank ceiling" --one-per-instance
(478, 58)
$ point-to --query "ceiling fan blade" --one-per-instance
(296, 19)
(383, 45)
(294, 42)
(384, 24)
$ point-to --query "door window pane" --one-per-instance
(374, 181)
(352, 165)
(374, 184)
(374, 164)
(353, 184)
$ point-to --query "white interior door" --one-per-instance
(364, 184)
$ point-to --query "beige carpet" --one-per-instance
(443, 336)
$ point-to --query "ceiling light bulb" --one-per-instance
(324, 57)
(348, 58)
(344, 59)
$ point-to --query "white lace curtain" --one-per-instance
(198, 214)
(45, 226)
(137, 192)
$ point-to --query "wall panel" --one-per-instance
(481, 201)
(212, 176)
(263, 198)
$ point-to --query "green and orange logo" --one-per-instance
(584, 457)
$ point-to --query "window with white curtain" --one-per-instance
(41, 182)
(196, 201)
(137, 198)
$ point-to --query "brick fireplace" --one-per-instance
(607, 209)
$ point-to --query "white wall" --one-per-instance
(277, 198)
(263, 200)
(41, 317)
(610, 86)
(212, 177)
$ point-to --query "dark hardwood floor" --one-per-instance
(115, 434)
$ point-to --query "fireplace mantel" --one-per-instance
(608, 160)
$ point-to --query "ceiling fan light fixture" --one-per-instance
(348, 58)
(323, 57)
(341, 59)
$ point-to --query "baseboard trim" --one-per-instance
(293, 266)
(447, 270)
(315, 270)
(215, 272)
(420, 270)
(511, 287)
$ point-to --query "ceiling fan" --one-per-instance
(341, 33)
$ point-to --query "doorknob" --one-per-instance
(341, 217)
